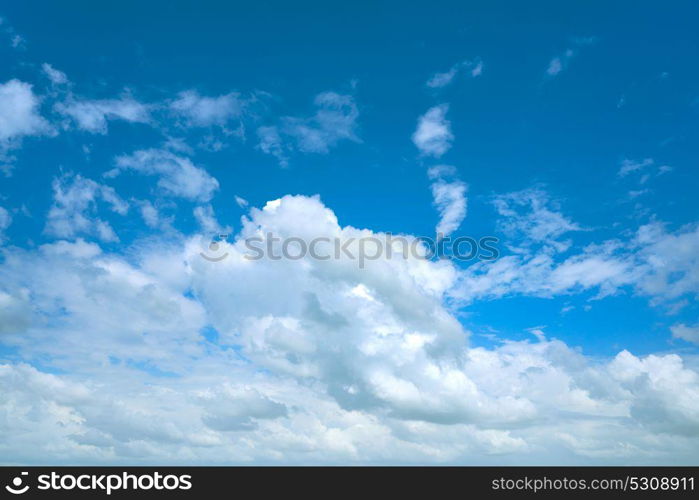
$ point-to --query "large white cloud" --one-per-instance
(169, 357)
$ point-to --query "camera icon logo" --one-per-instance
(16, 487)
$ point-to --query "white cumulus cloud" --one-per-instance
(19, 115)
(433, 135)
(330, 364)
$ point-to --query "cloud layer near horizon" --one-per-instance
(332, 364)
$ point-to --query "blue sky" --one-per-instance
(131, 133)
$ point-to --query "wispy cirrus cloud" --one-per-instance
(532, 218)
(75, 206)
(93, 115)
(473, 69)
(177, 175)
(686, 332)
(5, 221)
(14, 39)
(449, 197)
(644, 169)
(56, 76)
(628, 166)
(334, 121)
(559, 63)
(204, 111)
